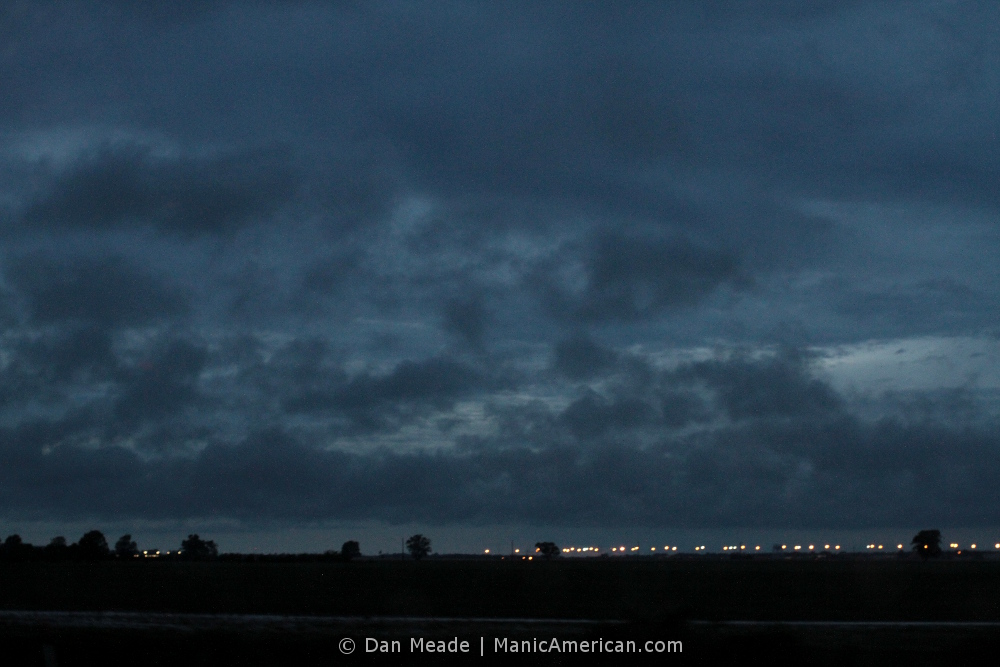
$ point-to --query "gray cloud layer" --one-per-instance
(478, 262)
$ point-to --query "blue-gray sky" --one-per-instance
(290, 265)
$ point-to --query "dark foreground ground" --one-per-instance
(174, 613)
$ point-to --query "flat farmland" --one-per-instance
(845, 590)
(829, 612)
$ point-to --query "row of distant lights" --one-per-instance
(799, 547)
(156, 553)
(733, 547)
(569, 550)
(953, 545)
(517, 551)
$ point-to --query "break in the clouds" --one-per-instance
(700, 265)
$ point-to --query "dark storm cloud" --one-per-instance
(328, 275)
(161, 385)
(373, 402)
(783, 449)
(629, 277)
(467, 317)
(643, 405)
(776, 387)
(157, 12)
(130, 186)
(106, 292)
(524, 134)
(577, 111)
(8, 308)
(731, 388)
(928, 306)
(864, 132)
(83, 353)
(385, 261)
(591, 415)
(580, 357)
(835, 474)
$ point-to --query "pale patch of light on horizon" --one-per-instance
(924, 363)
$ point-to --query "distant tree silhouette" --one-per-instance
(196, 548)
(125, 547)
(927, 543)
(547, 549)
(56, 549)
(418, 546)
(93, 546)
(14, 548)
(350, 550)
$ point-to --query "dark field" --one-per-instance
(639, 600)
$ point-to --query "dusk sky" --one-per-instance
(290, 273)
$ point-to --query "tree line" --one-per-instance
(93, 546)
